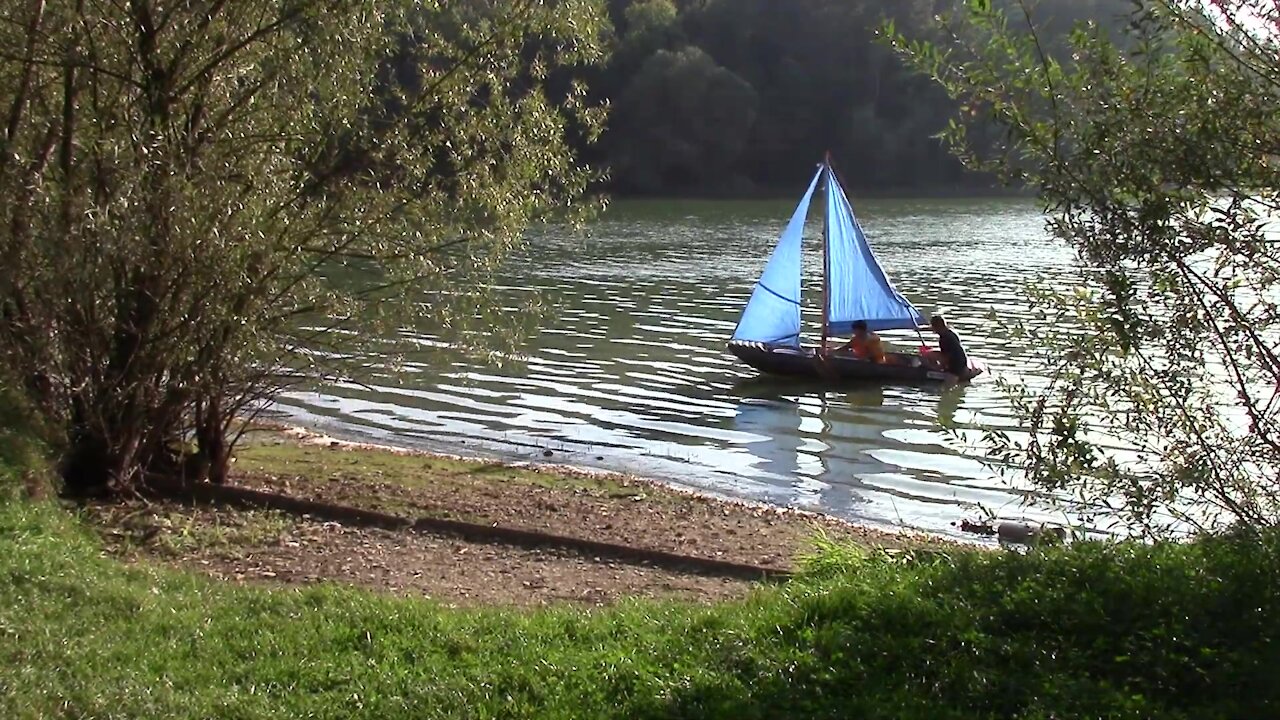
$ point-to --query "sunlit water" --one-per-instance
(631, 372)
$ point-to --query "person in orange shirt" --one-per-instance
(865, 345)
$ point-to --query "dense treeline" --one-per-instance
(736, 97)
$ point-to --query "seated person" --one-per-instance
(865, 345)
(950, 355)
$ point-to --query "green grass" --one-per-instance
(178, 532)
(317, 463)
(1092, 630)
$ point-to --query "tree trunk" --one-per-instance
(212, 454)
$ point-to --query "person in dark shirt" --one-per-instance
(950, 355)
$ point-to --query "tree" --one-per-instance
(1157, 158)
(685, 121)
(651, 25)
(204, 202)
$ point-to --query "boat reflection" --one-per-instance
(835, 449)
(766, 387)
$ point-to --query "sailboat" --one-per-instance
(855, 287)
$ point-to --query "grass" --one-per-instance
(1115, 630)
(177, 532)
(285, 458)
(1090, 630)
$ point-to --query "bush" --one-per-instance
(1158, 379)
(23, 450)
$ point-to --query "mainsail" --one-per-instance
(856, 286)
(772, 314)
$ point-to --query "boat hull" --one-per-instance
(804, 363)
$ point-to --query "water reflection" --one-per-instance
(632, 372)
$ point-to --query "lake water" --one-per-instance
(630, 371)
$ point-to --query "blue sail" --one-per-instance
(857, 288)
(772, 314)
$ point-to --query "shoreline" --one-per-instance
(473, 531)
(766, 194)
(322, 438)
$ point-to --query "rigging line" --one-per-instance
(775, 293)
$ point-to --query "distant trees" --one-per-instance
(781, 83)
(203, 202)
(652, 25)
(1157, 155)
(686, 121)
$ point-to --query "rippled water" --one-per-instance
(632, 374)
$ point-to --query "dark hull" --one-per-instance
(804, 363)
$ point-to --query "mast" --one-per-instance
(826, 253)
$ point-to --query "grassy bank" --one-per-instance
(1091, 630)
(1123, 631)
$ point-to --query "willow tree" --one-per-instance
(1156, 155)
(204, 201)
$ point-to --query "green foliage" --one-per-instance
(831, 558)
(817, 78)
(1128, 630)
(198, 201)
(1156, 157)
(23, 446)
(651, 25)
(686, 120)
